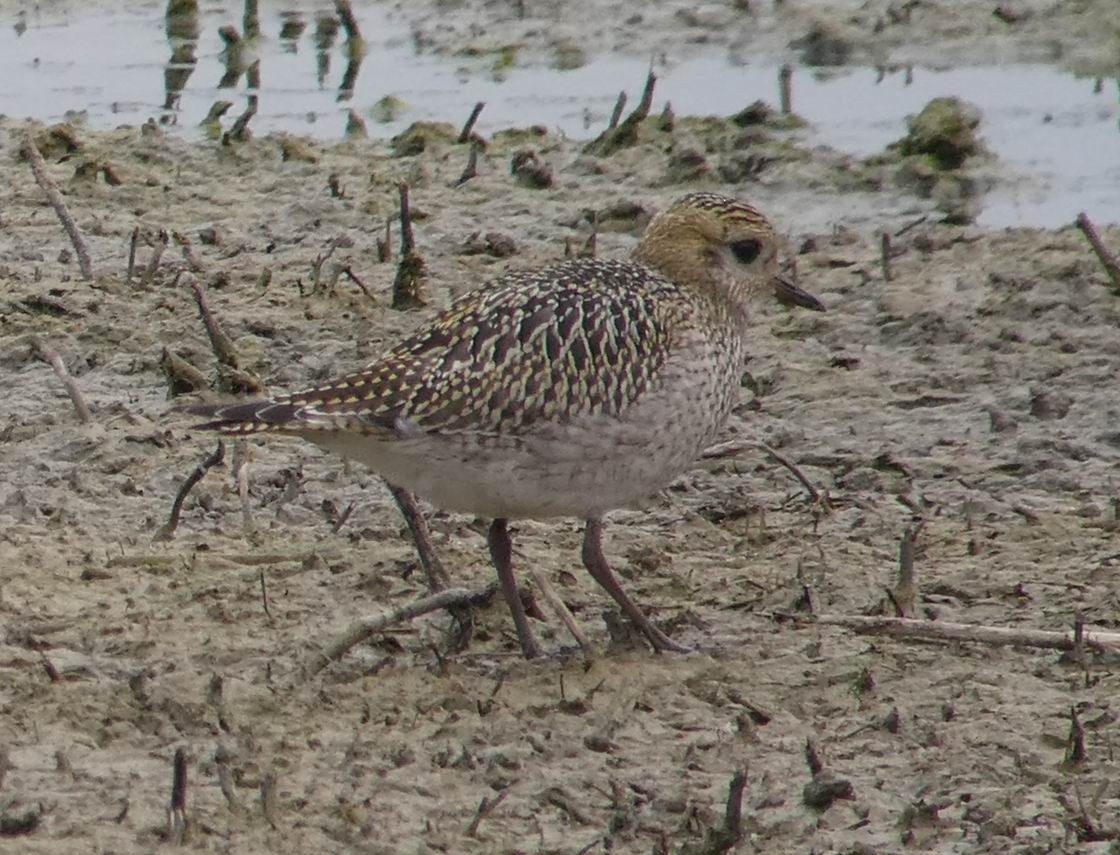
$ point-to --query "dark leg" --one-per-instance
(601, 571)
(501, 552)
(438, 579)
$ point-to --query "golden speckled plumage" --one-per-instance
(568, 390)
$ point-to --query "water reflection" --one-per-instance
(181, 23)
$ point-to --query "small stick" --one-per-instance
(1098, 642)
(409, 284)
(177, 814)
(385, 245)
(408, 241)
(362, 629)
(730, 833)
(52, 358)
(221, 343)
(485, 808)
(785, 89)
(48, 666)
(264, 598)
(343, 518)
(225, 778)
(1111, 266)
(185, 247)
(268, 798)
(133, 239)
(735, 446)
(353, 277)
(885, 255)
(1075, 746)
(558, 606)
(153, 262)
(30, 152)
(245, 458)
(616, 113)
(903, 594)
(465, 133)
(199, 472)
(471, 169)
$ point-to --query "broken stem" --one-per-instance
(39, 169)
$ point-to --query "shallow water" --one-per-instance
(1056, 134)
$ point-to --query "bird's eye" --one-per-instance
(746, 251)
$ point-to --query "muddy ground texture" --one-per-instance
(974, 390)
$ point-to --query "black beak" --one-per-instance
(789, 294)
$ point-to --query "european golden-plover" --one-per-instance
(565, 391)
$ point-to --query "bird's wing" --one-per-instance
(580, 338)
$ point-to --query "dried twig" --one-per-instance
(485, 808)
(268, 797)
(735, 446)
(904, 592)
(243, 457)
(264, 597)
(157, 255)
(616, 113)
(885, 255)
(409, 291)
(348, 271)
(52, 358)
(222, 760)
(185, 247)
(221, 343)
(723, 839)
(1111, 266)
(385, 244)
(468, 126)
(561, 609)
(199, 472)
(1075, 745)
(1099, 642)
(471, 169)
(133, 239)
(177, 812)
(30, 152)
(625, 133)
(360, 630)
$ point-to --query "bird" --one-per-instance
(565, 391)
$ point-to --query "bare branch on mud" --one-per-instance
(225, 778)
(133, 240)
(362, 629)
(199, 472)
(30, 153)
(349, 273)
(470, 170)
(1099, 642)
(557, 604)
(736, 446)
(468, 126)
(903, 594)
(177, 811)
(52, 358)
(157, 255)
(485, 808)
(1111, 266)
(409, 286)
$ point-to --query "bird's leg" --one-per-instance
(601, 571)
(501, 552)
(438, 579)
